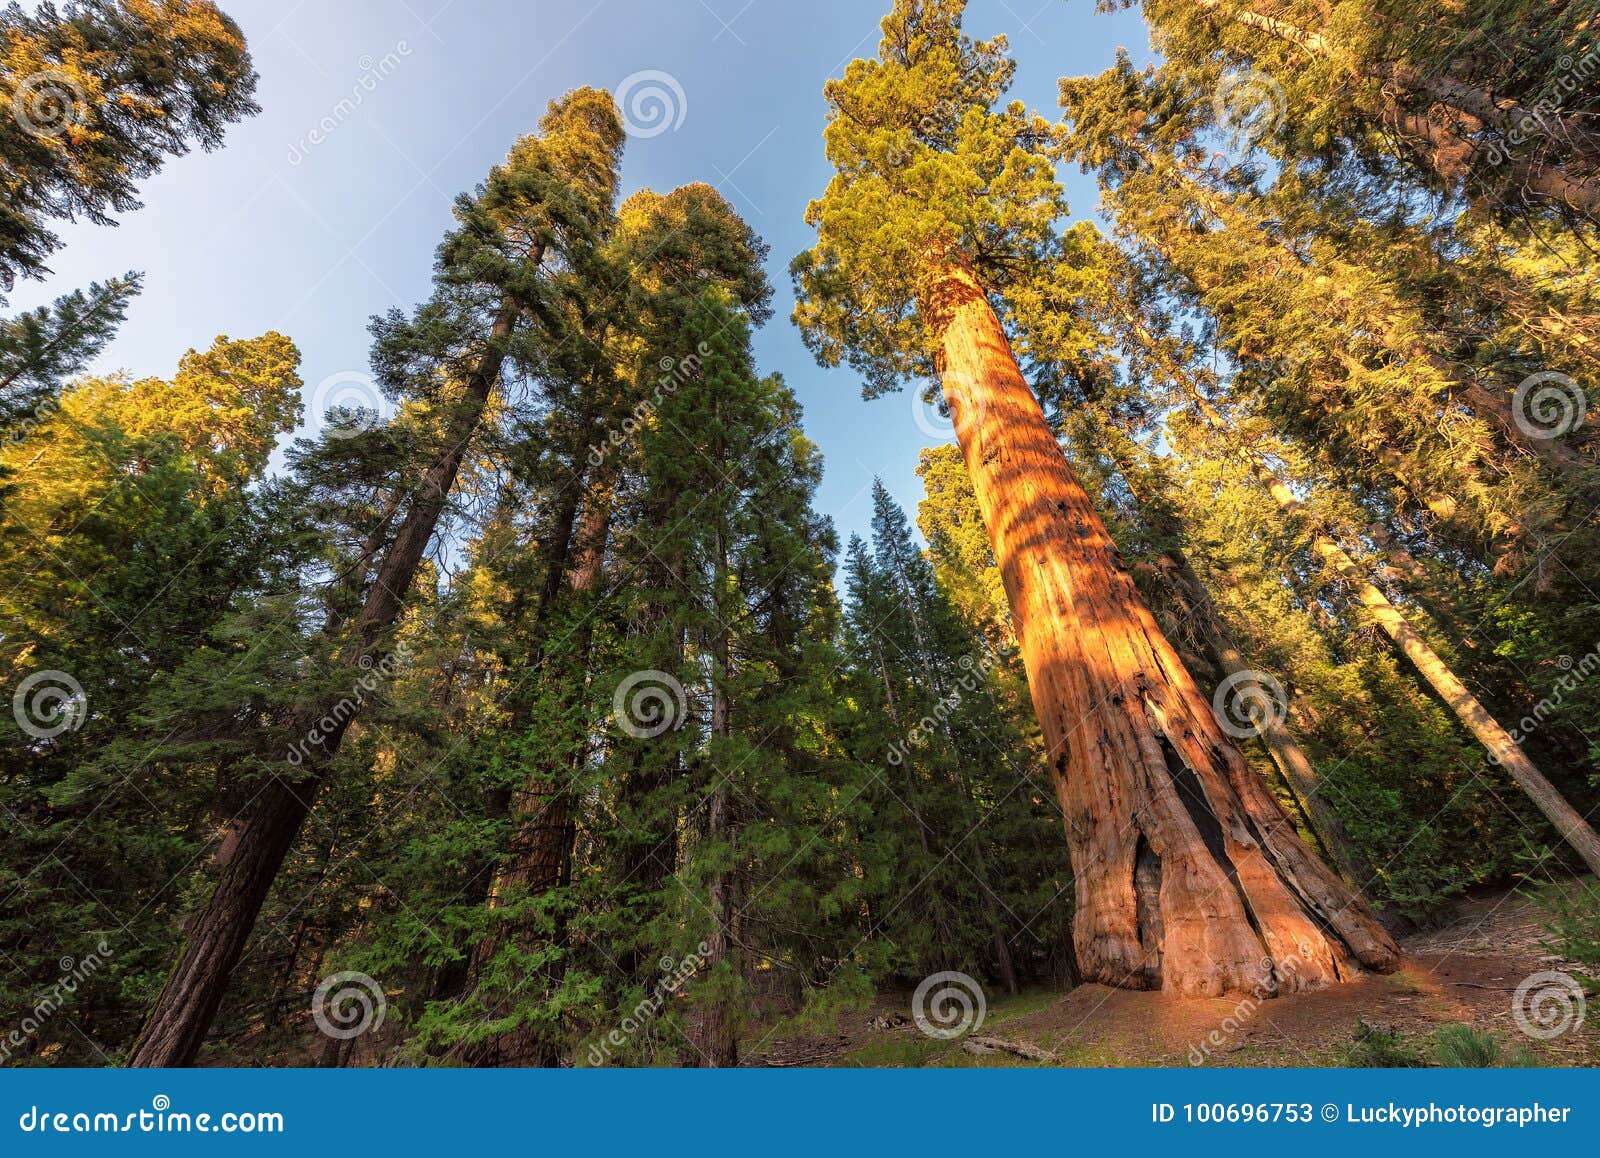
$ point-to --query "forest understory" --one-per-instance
(1460, 976)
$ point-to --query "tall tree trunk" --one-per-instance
(1504, 750)
(715, 1039)
(540, 860)
(1189, 876)
(715, 1034)
(266, 829)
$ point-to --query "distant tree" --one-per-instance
(493, 301)
(41, 349)
(132, 525)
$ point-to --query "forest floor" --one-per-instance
(1464, 973)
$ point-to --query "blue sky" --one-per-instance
(275, 232)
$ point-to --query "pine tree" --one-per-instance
(717, 752)
(1146, 161)
(950, 753)
(41, 349)
(132, 526)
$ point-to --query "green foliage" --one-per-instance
(632, 784)
(957, 801)
(1462, 1047)
(1377, 1047)
(1572, 913)
(41, 349)
(99, 93)
(931, 168)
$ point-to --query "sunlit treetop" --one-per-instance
(223, 413)
(930, 168)
(674, 244)
(96, 94)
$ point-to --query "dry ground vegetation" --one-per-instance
(1450, 1004)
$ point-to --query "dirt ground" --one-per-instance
(1465, 973)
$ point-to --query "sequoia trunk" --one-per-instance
(1189, 877)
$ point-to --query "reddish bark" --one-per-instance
(1189, 877)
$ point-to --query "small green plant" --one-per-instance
(1572, 918)
(1462, 1047)
(1378, 1047)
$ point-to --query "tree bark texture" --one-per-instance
(1189, 877)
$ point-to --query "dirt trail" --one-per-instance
(1464, 973)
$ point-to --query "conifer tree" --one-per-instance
(1188, 875)
(1388, 81)
(492, 288)
(951, 755)
(738, 616)
(666, 250)
(41, 349)
(97, 94)
(131, 526)
(1133, 131)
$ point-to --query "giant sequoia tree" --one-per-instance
(1188, 875)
